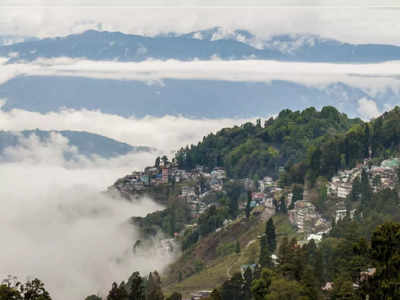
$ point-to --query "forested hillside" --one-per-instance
(379, 139)
(258, 150)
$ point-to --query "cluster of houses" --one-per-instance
(306, 218)
(380, 177)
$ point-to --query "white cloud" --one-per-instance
(57, 225)
(167, 133)
(354, 21)
(371, 77)
(368, 109)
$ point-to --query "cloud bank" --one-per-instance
(371, 77)
(349, 21)
(57, 225)
(167, 133)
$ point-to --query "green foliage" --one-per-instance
(237, 247)
(170, 220)
(153, 287)
(117, 292)
(224, 249)
(385, 254)
(251, 150)
(261, 286)
(270, 235)
(379, 139)
(93, 297)
(12, 289)
(175, 296)
(283, 289)
(232, 289)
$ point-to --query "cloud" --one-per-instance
(368, 109)
(371, 77)
(350, 21)
(57, 225)
(167, 133)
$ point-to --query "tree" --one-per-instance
(93, 297)
(135, 287)
(265, 255)
(248, 204)
(385, 253)
(164, 159)
(153, 288)
(283, 289)
(343, 288)
(260, 287)
(270, 235)
(118, 292)
(175, 296)
(237, 247)
(248, 279)
(232, 289)
(297, 192)
(157, 162)
(12, 289)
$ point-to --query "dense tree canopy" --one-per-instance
(251, 150)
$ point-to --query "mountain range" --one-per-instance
(203, 45)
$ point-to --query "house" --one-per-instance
(165, 175)
(343, 190)
(340, 214)
(200, 295)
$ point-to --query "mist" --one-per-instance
(57, 224)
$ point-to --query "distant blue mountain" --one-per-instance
(6, 40)
(87, 144)
(191, 98)
(240, 44)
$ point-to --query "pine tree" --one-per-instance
(265, 255)
(237, 247)
(270, 235)
(135, 287)
(248, 205)
(153, 288)
(117, 292)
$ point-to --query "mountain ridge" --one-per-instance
(203, 45)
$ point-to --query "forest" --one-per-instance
(261, 149)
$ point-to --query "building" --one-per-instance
(165, 175)
(200, 295)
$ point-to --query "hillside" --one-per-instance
(262, 149)
(376, 140)
(87, 144)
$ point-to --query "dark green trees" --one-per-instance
(118, 292)
(270, 235)
(252, 149)
(12, 289)
(232, 289)
(385, 254)
(175, 296)
(153, 288)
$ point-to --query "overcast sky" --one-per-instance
(351, 21)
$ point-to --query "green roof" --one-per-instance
(391, 163)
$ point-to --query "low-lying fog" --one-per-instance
(56, 224)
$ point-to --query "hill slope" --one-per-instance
(259, 150)
(86, 143)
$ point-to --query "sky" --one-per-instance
(54, 216)
(348, 21)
